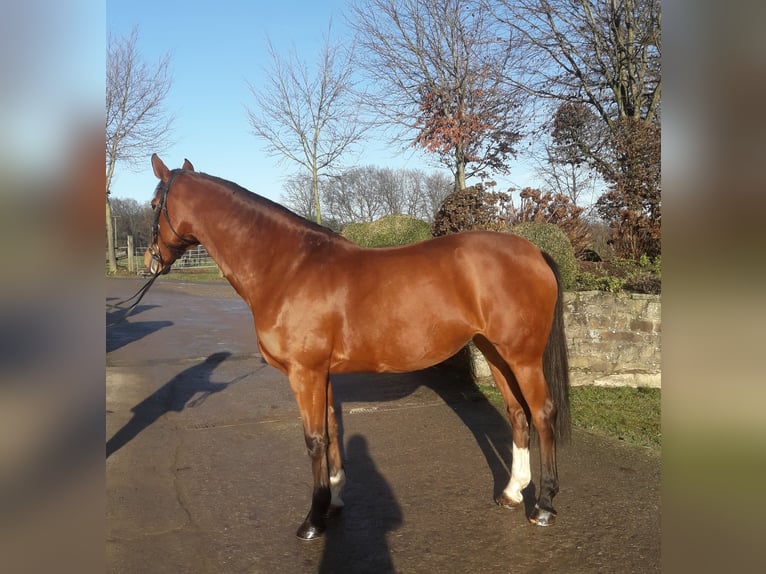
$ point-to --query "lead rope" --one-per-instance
(140, 294)
(162, 207)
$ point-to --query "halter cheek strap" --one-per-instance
(162, 208)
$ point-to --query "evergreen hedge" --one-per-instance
(388, 231)
(552, 239)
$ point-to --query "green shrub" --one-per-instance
(586, 281)
(642, 276)
(388, 231)
(555, 242)
(618, 274)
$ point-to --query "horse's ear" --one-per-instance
(188, 165)
(160, 169)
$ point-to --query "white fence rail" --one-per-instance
(195, 258)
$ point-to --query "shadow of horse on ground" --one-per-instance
(120, 333)
(357, 543)
(455, 383)
(175, 395)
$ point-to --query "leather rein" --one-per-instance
(154, 250)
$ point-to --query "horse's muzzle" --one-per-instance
(153, 261)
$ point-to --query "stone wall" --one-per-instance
(613, 339)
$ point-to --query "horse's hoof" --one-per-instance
(507, 502)
(309, 531)
(542, 517)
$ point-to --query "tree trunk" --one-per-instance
(110, 239)
(460, 177)
(317, 206)
(459, 168)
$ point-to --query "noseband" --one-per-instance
(162, 208)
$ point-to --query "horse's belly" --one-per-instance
(399, 350)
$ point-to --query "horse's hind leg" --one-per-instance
(334, 459)
(311, 390)
(526, 396)
(543, 412)
(521, 474)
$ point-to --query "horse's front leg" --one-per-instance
(311, 393)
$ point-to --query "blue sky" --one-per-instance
(215, 51)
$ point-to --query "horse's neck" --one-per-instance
(251, 246)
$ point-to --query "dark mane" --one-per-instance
(250, 196)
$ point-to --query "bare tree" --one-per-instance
(433, 189)
(137, 122)
(310, 119)
(605, 54)
(364, 194)
(132, 218)
(298, 195)
(421, 194)
(577, 182)
(439, 75)
(356, 196)
(564, 163)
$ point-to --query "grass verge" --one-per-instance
(624, 413)
(196, 275)
(178, 274)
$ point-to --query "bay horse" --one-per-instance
(323, 305)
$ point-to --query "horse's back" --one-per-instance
(471, 263)
(412, 306)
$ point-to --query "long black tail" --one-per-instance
(556, 363)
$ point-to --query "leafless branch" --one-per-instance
(438, 76)
(137, 122)
(308, 118)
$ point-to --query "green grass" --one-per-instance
(195, 275)
(189, 274)
(624, 413)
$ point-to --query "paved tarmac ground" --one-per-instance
(207, 469)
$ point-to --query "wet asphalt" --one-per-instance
(207, 470)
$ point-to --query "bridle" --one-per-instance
(154, 249)
(160, 209)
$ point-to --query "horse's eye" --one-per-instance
(154, 206)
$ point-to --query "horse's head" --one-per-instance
(168, 239)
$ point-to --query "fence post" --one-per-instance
(131, 263)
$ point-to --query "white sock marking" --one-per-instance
(521, 475)
(336, 486)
